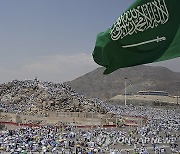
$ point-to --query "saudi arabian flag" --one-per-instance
(147, 32)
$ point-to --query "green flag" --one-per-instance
(147, 32)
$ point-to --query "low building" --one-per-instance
(157, 93)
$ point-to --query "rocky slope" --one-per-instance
(32, 97)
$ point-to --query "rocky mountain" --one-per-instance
(95, 84)
(32, 97)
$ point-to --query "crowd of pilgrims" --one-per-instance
(27, 98)
(160, 134)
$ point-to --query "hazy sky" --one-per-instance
(54, 39)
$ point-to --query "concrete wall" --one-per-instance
(63, 117)
(81, 114)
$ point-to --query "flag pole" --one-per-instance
(125, 91)
(177, 98)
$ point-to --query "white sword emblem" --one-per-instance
(158, 39)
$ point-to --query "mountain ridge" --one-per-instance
(142, 77)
